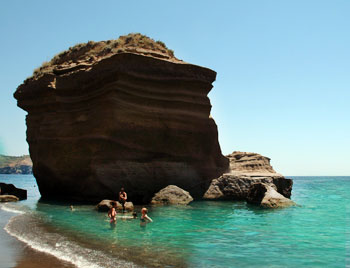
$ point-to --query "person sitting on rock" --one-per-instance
(122, 198)
(144, 217)
(112, 213)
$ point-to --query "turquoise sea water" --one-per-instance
(202, 234)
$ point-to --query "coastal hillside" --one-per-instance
(120, 113)
(15, 164)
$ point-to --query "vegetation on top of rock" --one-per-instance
(91, 51)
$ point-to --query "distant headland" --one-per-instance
(15, 164)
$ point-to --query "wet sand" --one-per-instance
(14, 253)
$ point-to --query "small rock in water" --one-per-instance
(172, 195)
(106, 205)
(129, 206)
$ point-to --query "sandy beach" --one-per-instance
(14, 253)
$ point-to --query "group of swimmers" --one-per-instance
(112, 213)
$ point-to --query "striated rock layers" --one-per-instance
(108, 114)
(245, 170)
(250, 163)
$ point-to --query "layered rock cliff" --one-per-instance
(245, 170)
(126, 112)
(250, 163)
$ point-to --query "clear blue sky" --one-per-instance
(283, 67)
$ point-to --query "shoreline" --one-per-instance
(14, 253)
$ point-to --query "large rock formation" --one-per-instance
(245, 170)
(125, 112)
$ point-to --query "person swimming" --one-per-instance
(144, 219)
(112, 213)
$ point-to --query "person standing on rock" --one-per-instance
(122, 198)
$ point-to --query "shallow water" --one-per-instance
(203, 234)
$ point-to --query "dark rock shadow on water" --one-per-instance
(257, 210)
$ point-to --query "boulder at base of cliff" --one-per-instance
(106, 205)
(8, 198)
(266, 196)
(10, 189)
(172, 195)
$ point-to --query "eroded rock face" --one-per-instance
(172, 195)
(245, 170)
(249, 162)
(266, 196)
(133, 118)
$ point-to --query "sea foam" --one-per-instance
(7, 207)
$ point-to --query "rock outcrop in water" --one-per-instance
(10, 189)
(172, 195)
(121, 113)
(245, 170)
(266, 196)
(106, 205)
